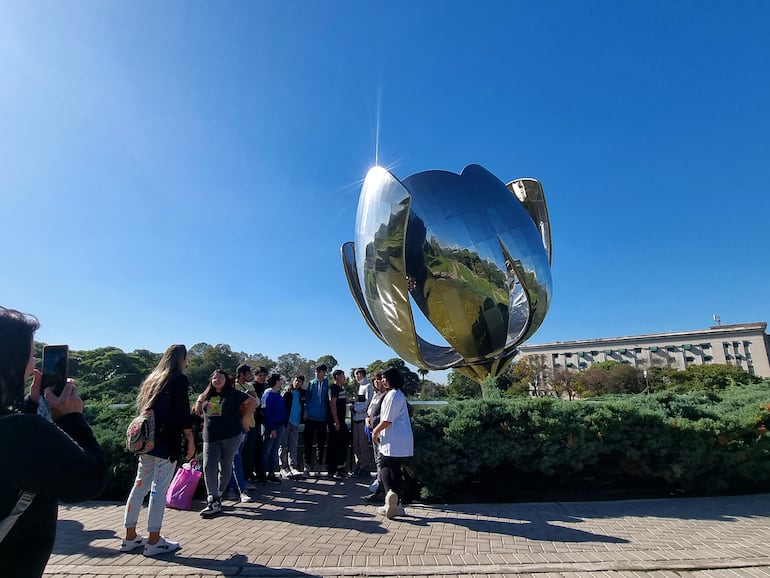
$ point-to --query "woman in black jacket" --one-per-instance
(56, 461)
(165, 391)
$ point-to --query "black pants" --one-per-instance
(390, 474)
(317, 429)
(338, 447)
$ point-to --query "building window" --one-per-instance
(687, 346)
(653, 349)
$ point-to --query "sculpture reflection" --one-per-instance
(473, 254)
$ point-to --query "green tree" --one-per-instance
(329, 360)
(459, 386)
(711, 377)
(291, 364)
(201, 365)
(609, 377)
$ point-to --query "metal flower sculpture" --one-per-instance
(472, 253)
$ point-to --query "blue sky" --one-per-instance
(187, 171)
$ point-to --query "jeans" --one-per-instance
(218, 464)
(238, 480)
(270, 451)
(361, 449)
(319, 429)
(288, 448)
(153, 475)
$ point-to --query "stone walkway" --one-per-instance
(320, 527)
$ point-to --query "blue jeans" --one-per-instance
(288, 447)
(153, 475)
(238, 480)
(270, 451)
(218, 464)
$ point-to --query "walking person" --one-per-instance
(336, 455)
(359, 407)
(294, 399)
(225, 412)
(53, 461)
(316, 416)
(165, 391)
(394, 434)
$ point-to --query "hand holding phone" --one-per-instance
(55, 362)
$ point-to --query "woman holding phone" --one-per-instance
(165, 390)
(66, 446)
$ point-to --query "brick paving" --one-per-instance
(320, 527)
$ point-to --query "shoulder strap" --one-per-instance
(25, 499)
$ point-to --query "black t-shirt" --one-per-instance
(221, 415)
(338, 391)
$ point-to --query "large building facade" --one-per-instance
(744, 345)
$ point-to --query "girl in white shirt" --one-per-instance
(396, 441)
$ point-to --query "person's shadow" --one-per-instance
(72, 538)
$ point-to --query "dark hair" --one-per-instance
(242, 368)
(321, 367)
(337, 372)
(273, 379)
(260, 369)
(210, 391)
(300, 377)
(16, 332)
(360, 370)
(394, 378)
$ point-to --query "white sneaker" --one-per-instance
(246, 499)
(163, 546)
(391, 504)
(400, 511)
(131, 545)
(285, 474)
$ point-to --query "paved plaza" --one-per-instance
(320, 527)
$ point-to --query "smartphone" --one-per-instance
(55, 360)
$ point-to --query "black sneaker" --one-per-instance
(213, 508)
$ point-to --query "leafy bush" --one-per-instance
(698, 442)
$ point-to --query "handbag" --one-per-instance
(180, 493)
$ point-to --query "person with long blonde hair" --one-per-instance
(165, 391)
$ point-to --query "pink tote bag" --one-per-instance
(180, 492)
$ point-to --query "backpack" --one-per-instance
(140, 435)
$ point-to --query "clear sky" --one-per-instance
(187, 171)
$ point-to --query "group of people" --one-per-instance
(251, 428)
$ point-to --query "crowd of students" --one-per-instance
(251, 429)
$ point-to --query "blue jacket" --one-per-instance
(317, 402)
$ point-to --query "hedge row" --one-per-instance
(700, 442)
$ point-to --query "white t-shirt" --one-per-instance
(397, 441)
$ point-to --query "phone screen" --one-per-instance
(55, 367)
